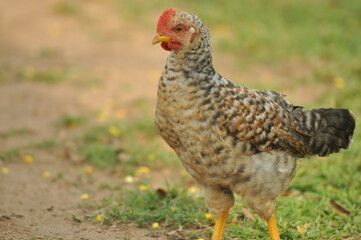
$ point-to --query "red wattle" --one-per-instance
(164, 45)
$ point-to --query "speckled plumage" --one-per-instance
(232, 139)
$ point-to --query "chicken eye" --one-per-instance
(179, 28)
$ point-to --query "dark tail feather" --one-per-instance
(333, 127)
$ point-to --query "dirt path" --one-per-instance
(105, 59)
(33, 36)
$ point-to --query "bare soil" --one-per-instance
(94, 44)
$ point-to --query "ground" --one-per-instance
(107, 62)
(31, 205)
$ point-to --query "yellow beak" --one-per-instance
(160, 38)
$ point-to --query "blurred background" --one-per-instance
(78, 82)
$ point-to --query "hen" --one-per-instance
(229, 138)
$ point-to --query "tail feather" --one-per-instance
(333, 129)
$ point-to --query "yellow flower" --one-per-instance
(28, 159)
(114, 130)
(339, 82)
(192, 189)
(155, 225)
(103, 115)
(151, 156)
(143, 187)
(84, 196)
(29, 72)
(142, 170)
(303, 228)
(121, 113)
(46, 174)
(99, 217)
(329, 188)
(109, 104)
(208, 216)
(55, 30)
(5, 170)
(88, 170)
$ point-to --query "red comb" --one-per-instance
(165, 18)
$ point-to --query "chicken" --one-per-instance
(229, 138)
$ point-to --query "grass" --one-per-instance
(171, 207)
(9, 153)
(157, 210)
(100, 155)
(48, 75)
(67, 8)
(15, 132)
(306, 212)
(128, 142)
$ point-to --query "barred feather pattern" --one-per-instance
(232, 139)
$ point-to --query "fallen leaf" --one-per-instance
(248, 214)
(129, 179)
(161, 192)
(287, 192)
(4, 218)
(339, 208)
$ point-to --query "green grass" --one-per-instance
(14, 153)
(68, 8)
(172, 207)
(49, 75)
(47, 52)
(129, 142)
(72, 121)
(15, 132)
(100, 155)
(9, 153)
(275, 30)
(307, 204)
(321, 35)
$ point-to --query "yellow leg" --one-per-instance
(219, 227)
(272, 228)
